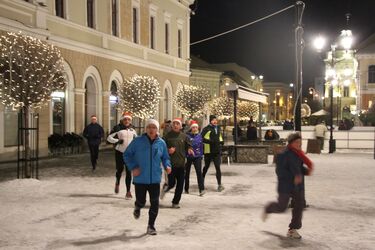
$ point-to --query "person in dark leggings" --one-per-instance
(212, 142)
(290, 183)
(144, 156)
(121, 136)
(93, 133)
(178, 146)
(196, 159)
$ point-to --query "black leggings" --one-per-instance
(140, 196)
(198, 170)
(94, 153)
(216, 158)
(119, 168)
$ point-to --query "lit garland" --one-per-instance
(247, 109)
(191, 100)
(140, 95)
(30, 70)
(305, 110)
(222, 107)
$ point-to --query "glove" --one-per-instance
(121, 141)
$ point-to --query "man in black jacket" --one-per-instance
(93, 133)
(212, 142)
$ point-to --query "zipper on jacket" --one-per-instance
(151, 162)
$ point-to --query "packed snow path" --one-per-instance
(72, 208)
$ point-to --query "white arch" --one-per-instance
(69, 99)
(167, 114)
(116, 77)
(93, 72)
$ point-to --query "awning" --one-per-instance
(247, 94)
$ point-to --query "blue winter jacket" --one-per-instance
(197, 144)
(148, 156)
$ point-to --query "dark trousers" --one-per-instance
(140, 196)
(198, 170)
(176, 178)
(120, 168)
(321, 142)
(282, 204)
(216, 158)
(94, 153)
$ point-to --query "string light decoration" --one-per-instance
(30, 70)
(247, 109)
(140, 95)
(222, 107)
(305, 110)
(191, 100)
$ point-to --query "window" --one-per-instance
(135, 25)
(59, 8)
(167, 38)
(10, 127)
(58, 112)
(179, 43)
(346, 91)
(91, 13)
(115, 18)
(152, 32)
(113, 102)
(371, 74)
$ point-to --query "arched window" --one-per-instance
(113, 102)
(371, 74)
(90, 99)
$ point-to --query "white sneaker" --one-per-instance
(164, 190)
(202, 193)
(293, 233)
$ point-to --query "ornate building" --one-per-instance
(102, 42)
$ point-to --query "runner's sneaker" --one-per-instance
(117, 188)
(220, 188)
(128, 196)
(293, 233)
(164, 190)
(151, 230)
(137, 213)
(175, 205)
(201, 193)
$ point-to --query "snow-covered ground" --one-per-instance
(72, 208)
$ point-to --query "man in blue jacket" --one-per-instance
(143, 157)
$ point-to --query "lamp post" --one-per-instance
(331, 75)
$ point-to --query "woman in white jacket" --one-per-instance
(121, 135)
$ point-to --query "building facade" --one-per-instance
(102, 42)
(366, 74)
(280, 101)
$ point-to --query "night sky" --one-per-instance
(267, 47)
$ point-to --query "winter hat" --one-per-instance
(194, 124)
(212, 117)
(179, 120)
(152, 121)
(293, 136)
(126, 115)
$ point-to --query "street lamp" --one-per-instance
(331, 74)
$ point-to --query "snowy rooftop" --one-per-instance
(72, 208)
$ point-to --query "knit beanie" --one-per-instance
(152, 121)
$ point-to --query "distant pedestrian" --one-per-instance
(167, 126)
(143, 157)
(121, 135)
(251, 133)
(212, 143)
(178, 146)
(196, 159)
(94, 134)
(320, 131)
(290, 172)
